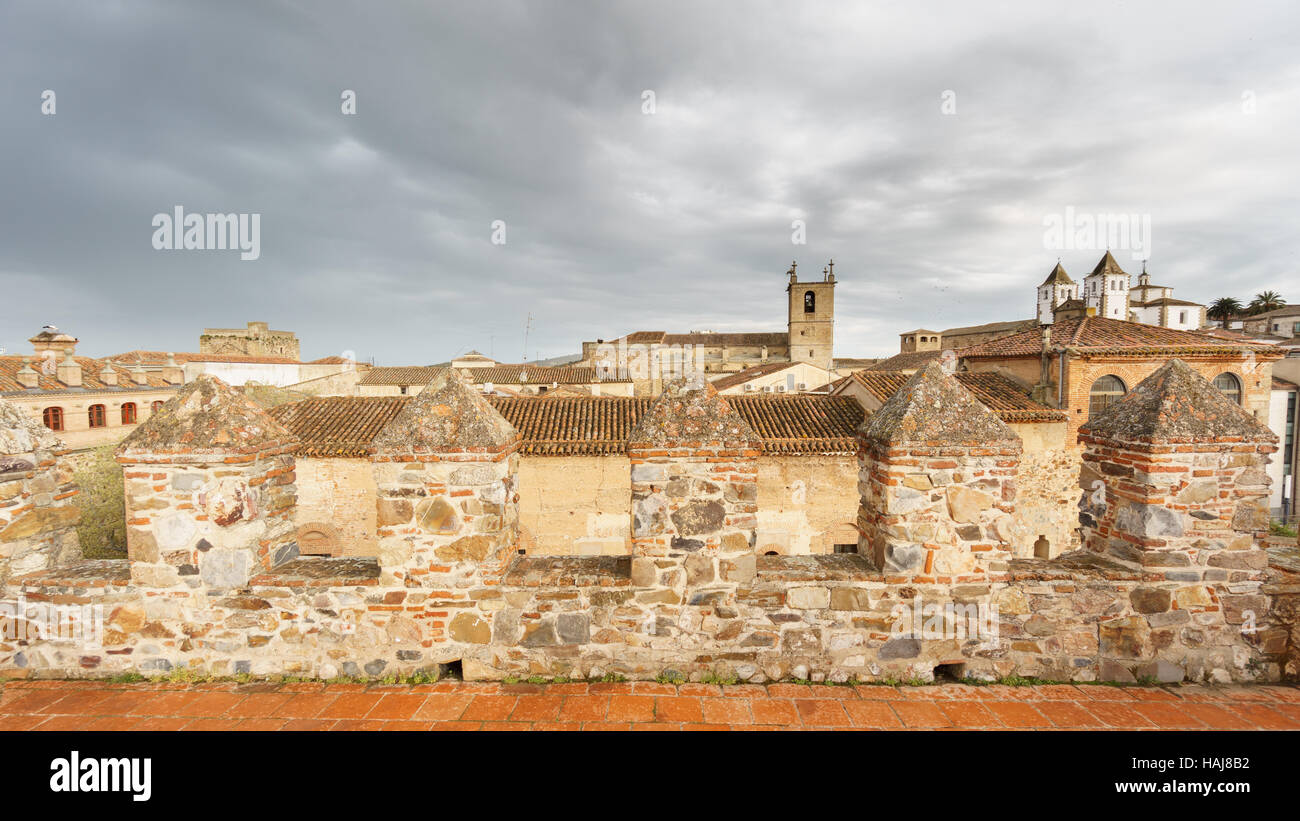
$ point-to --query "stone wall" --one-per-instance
(575, 505)
(696, 598)
(336, 498)
(937, 483)
(807, 503)
(37, 514)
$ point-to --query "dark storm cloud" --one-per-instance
(376, 227)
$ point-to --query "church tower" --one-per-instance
(1057, 288)
(1106, 289)
(812, 317)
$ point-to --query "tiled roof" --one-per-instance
(995, 391)
(338, 425)
(416, 375)
(1108, 265)
(331, 360)
(906, 361)
(1058, 276)
(772, 340)
(90, 381)
(992, 327)
(589, 425)
(741, 377)
(1151, 303)
(159, 358)
(496, 374)
(1099, 335)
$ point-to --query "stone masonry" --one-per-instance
(448, 512)
(1169, 587)
(37, 515)
(938, 483)
(209, 490)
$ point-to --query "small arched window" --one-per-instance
(97, 416)
(1105, 392)
(809, 302)
(1229, 385)
(53, 418)
(128, 413)
(155, 405)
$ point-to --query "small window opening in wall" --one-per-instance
(950, 672)
(1042, 548)
(451, 669)
(846, 548)
(771, 553)
(403, 390)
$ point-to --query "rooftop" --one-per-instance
(1099, 335)
(995, 391)
(345, 426)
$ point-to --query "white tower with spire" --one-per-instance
(1106, 289)
(1057, 288)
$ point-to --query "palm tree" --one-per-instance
(1224, 308)
(1266, 301)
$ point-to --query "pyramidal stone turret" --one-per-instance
(694, 478)
(447, 507)
(209, 487)
(691, 413)
(1179, 481)
(937, 478)
(448, 417)
(1175, 404)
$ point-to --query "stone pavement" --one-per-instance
(456, 705)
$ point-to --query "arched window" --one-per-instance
(809, 302)
(1229, 385)
(1105, 392)
(53, 418)
(97, 416)
(157, 403)
(128, 413)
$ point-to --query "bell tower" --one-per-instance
(812, 317)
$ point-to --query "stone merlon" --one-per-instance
(692, 413)
(1175, 404)
(206, 418)
(934, 407)
(448, 416)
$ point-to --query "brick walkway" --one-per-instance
(454, 705)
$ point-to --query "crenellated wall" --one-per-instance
(936, 584)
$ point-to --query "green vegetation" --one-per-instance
(102, 530)
(1278, 528)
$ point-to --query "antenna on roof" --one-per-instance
(528, 326)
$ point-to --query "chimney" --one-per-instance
(172, 373)
(138, 376)
(27, 377)
(69, 370)
(53, 340)
(108, 375)
(1047, 338)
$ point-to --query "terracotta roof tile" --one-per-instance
(906, 361)
(90, 379)
(1099, 335)
(741, 377)
(589, 425)
(496, 374)
(995, 391)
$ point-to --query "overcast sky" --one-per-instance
(377, 228)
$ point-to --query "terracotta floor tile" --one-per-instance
(444, 706)
(974, 714)
(631, 708)
(920, 714)
(584, 708)
(1017, 714)
(489, 708)
(876, 715)
(537, 708)
(822, 712)
(726, 711)
(779, 711)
